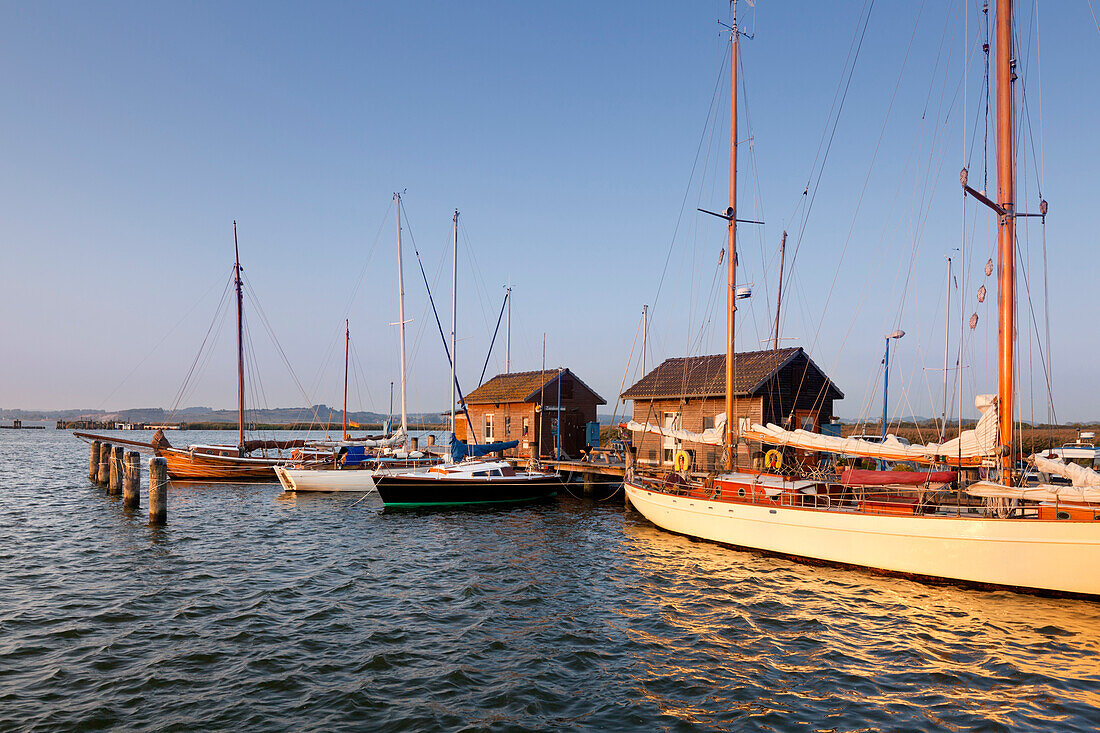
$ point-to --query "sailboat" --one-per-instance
(470, 477)
(352, 468)
(246, 461)
(1004, 534)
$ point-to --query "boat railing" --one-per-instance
(808, 493)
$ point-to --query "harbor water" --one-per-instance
(257, 610)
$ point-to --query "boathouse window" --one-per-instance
(507, 426)
(668, 443)
(806, 420)
(489, 433)
(526, 426)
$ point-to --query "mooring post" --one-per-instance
(589, 483)
(115, 474)
(93, 465)
(158, 490)
(431, 438)
(131, 486)
(414, 444)
(103, 477)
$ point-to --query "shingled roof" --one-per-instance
(705, 376)
(522, 387)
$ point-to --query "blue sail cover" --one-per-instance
(460, 450)
(354, 455)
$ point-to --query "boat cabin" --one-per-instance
(531, 407)
(1082, 451)
(781, 386)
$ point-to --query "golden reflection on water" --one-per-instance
(757, 630)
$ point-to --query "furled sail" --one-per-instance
(710, 436)
(396, 439)
(969, 448)
(1042, 492)
(1078, 475)
(460, 449)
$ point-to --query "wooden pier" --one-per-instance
(617, 470)
(602, 472)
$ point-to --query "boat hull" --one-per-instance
(329, 479)
(1058, 556)
(188, 466)
(430, 490)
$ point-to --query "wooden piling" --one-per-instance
(590, 479)
(114, 476)
(414, 444)
(103, 477)
(131, 486)
(93, 465)
(431, 438)
(158, 490)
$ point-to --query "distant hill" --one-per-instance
(156, 415)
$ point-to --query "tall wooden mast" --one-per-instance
(240, 340)
(1006, 234)
(731, 249)
(779, 295)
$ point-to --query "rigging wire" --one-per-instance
(218, 315)
(629, 362)
(163, 338)
(279, 347)
(863, 191)
(853, 55)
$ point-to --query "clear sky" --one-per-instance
(576, 139)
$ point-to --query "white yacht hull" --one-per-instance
(1056, 556)
(352, 480)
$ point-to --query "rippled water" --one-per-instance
(255, 610)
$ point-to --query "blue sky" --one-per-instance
(573, 137)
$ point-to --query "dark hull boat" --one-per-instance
(467, 483)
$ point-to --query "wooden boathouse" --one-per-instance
(524, 406)
(781, 386)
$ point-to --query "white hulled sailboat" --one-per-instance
(1044, 539)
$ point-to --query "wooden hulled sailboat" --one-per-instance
(248, 460)
(1039, 539)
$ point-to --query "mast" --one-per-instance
(557, 436)
(1006, 235)
(946, 347)
(240, 340)
(779, 297)
(508, 335)
(731, 213)
(645, 334)
(401, 321)
(542, 390)
(454, 311)
(347, 342)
